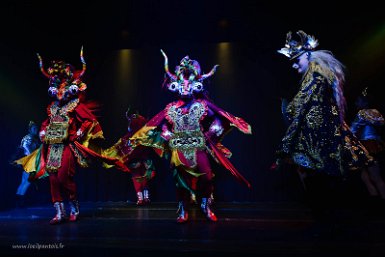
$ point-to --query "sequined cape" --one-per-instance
(317, 138)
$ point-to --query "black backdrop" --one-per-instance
(122, 43)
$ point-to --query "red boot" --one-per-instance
(182, 213)
(60, 214)
(140, 200)
(74, 205)
(146, 196)
(205, 206)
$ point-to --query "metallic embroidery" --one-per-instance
(57, 129)
(81, 159)
(186, 140)
(314, 117)
(57, 132)
(316, 138)
(187, 136)
(334, 110)
(55, 152)
(186, 121)
(372, 116)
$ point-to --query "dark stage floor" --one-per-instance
(243, 229)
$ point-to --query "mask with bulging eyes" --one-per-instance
(186, 88)
(64, 81)
(187, 80)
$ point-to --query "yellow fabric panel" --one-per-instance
(29, 162)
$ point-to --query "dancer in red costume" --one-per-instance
(190, 131)
(70, 128)
(138, 160)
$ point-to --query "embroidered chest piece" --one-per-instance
(186, 118)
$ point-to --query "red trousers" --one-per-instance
(140, 182)
(203, 184)
(62, 182)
